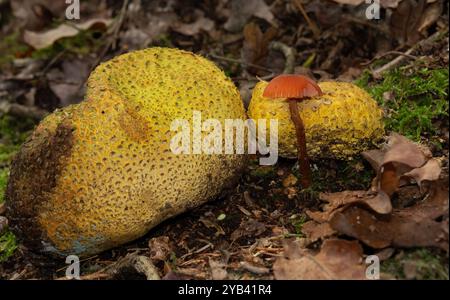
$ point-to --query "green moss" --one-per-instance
(8, 245)
(3, 181)
(419, 98)
(428, 265)
(13, 133)
(297, 222)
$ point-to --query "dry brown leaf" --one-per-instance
(242, 11)
(160, 248)
(337, 259)
(399, 157)
(40, 40)
(256, 44)
(317, 231)
(430, 16)
(429, 172)
(249, 227)
(218, 270)
(405, 19)
(201, 24)
(409, 227)
(378, 202)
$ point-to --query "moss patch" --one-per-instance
(417, 264)
(413, 99)
(13, 133)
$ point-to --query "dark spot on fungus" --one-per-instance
(34, 173)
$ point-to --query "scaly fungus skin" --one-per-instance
(341, 123)
(101, 173)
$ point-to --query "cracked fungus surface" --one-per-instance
(99, 174)
(341, 123)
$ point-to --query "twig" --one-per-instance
(233, 60)
(254, 269)
(18, 110)
(377, 73)
(141, 264)
(389, 53)
(113, 39)
(311, 24)
(122, 14)
(288, 52)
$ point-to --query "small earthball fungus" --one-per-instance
(295, 88)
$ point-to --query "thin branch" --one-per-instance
(377, 72)
(389, 53)
(311, 24)
(288, 52)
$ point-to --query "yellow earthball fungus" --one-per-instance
(101, 173)
(341, 123)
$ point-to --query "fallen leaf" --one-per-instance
(160, 248)
(254, 268)
(40, 40)
(212, 224)
(414, 226)
(429, 172)
(67, 81)
(337, 259)
(406, 20)
(290, 180)
(249, 227)
(378, 202)
(398, 157)
(384, 254)
(36, 14)
(256, 45)
(317, 231)
(431, 14)
(201, 24)
(242, 11)
(218, 270)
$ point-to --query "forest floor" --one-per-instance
(266, 218)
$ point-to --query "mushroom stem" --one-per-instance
(305, 170)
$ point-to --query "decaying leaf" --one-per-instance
(40, 40)
(368, 215)
(256, 44)
(378, 202)
(160, 248)
(410, 19)
(400, 158)
(249, 227)
(242, 11)
(429, 172)
(218, 270)
(191, 29)
(337, 259)
(315, 231)
(409, 227)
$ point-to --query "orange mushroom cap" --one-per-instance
(292, 86)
